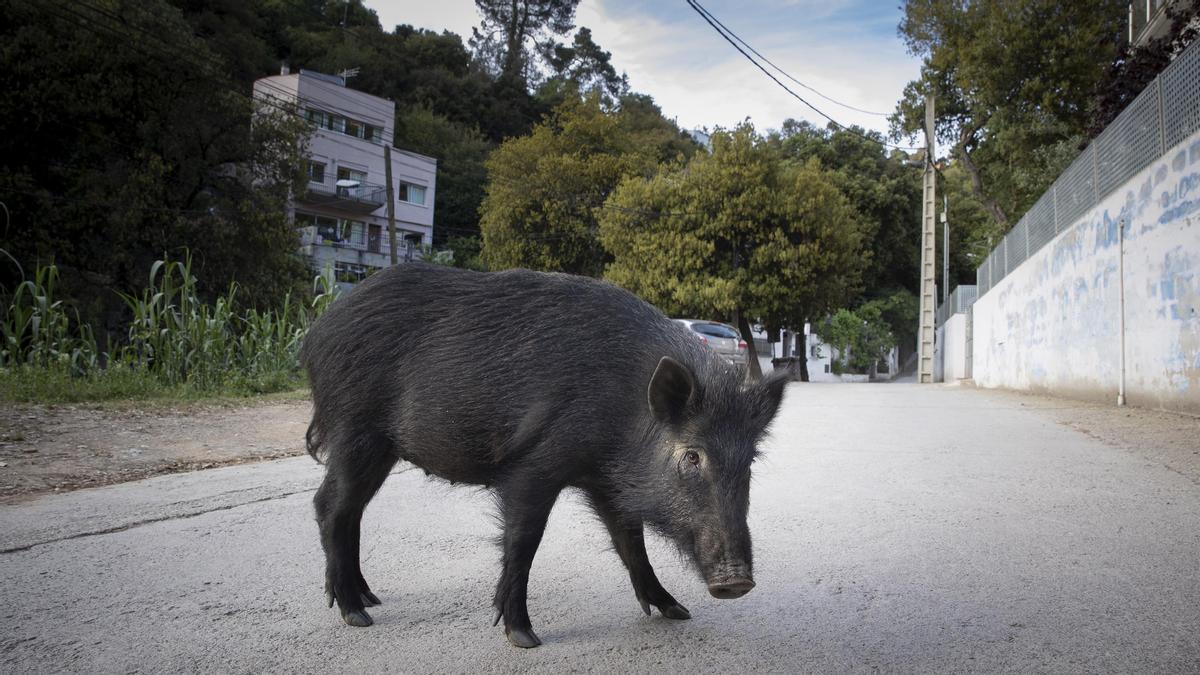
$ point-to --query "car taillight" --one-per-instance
(703, 339)
(741, 344)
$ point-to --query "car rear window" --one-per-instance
(715, 330)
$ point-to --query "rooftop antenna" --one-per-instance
(348, 73)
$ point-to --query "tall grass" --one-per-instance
(177, 344)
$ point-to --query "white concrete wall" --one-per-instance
(1053, 323)
(939, 351)
(954, 348)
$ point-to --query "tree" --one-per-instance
(582, 68)
(884, 189)
(1012, 79)
(544, 190)
(461, 152)
(862, 338)
(507, 27)
(737, 233)
(150, 150)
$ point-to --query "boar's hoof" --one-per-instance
(522, 637)
(675, 611)
(369, 599)
(357, 617)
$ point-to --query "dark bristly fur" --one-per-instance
(530, 383)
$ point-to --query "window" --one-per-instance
(350, 174)
(327, 229)
(349, 272)
(413, 194)
(716, 330)
(316, 172)
(343, 125)
(356, 232)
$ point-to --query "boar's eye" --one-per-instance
(692, 457)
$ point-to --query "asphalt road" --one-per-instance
(897, 528)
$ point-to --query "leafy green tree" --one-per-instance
(884, 189)
(545, 190)
(507, 28)
(461, 152)
(129, 138)
(862, 337)
(1013, 80)
(736, 233)
(582, 67)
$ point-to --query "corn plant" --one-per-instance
(175, 335)
(175, 339)
(37, 330)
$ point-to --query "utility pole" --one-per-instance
(925, 330)
(945, 250)
(391, 199)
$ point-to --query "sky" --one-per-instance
(846, 49)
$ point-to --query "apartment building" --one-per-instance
(341, 215)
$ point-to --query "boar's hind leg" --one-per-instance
(352, 478)
(524, 510)
(630, 544)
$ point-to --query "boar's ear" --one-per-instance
(767, 395)
(671, 391)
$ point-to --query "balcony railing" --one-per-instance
(310, 237)
(362, 198)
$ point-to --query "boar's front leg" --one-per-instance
(629, 541)
(525, 507)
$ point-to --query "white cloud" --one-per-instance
(699, 79)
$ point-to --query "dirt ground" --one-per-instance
(1168, 438)
(53, 448)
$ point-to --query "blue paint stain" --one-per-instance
(1177, 270)
(1106, 231)
(1179, 161)
(1168, 288)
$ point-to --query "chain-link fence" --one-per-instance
(960, 299)
(1161, 117)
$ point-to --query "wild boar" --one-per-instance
(531, 383)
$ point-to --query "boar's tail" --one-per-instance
(312, 441)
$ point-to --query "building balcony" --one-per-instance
(373, 252)
(359, 198)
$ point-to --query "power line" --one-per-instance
(712, 21)
(788, 76)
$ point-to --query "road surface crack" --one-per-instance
(150, 521)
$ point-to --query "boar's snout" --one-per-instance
(731, 588)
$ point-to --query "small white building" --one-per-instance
(342, 214)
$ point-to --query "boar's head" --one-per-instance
(703, 440)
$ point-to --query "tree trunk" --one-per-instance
(744, 326)
(977, 181)
(802, 353)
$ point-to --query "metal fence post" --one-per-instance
(1054, 200)
(1162, 124)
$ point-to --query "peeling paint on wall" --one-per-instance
(1053, 324)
